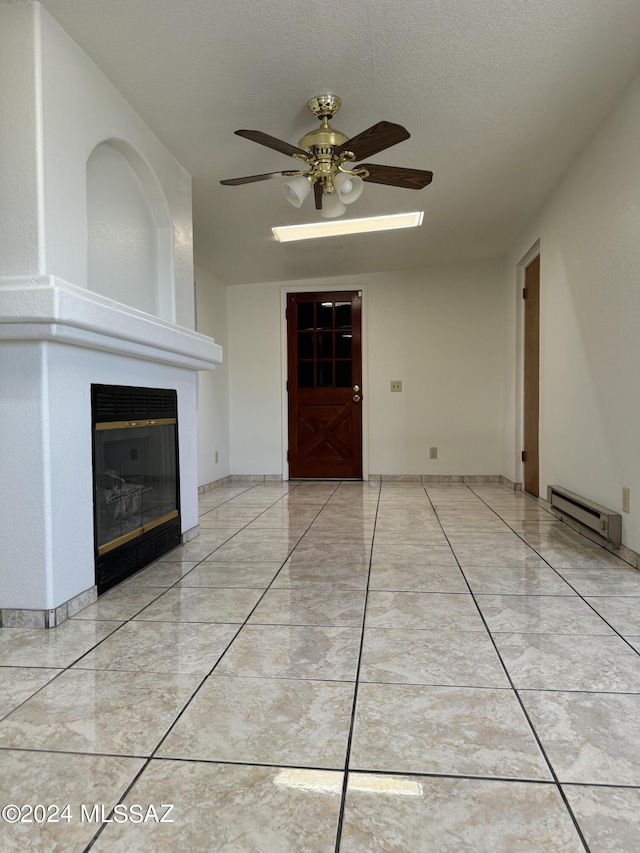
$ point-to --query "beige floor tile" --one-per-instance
(296, 606)
(422, 611)
(251, 551)
(584, 557)
(404, 728)
(201, 604)
(164, 574)
(465, 659)
(397, 814)
(321, 577)
(293, 651)
(18, 683)
(265, 721)
(608, 817)
(162, 647)
(411, 578)
(231, 574)
(57, 781)
(518, 580)
(588, 737)
(540, 614)
(622, 613)
(604, 581)
(228, 809)
(387, 556)
(121, 602)
(58, 647)
(117, 713)
(570, 662)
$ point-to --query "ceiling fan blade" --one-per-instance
(250, 179)
(382, 135)
(272, 142)
(317, 192)
(397, 176)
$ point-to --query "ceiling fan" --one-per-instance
(329, 156)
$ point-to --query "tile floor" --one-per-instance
(338, 666)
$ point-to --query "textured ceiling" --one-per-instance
(499, 97)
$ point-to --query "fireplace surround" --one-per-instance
(136, 490)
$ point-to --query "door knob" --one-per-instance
(356, 398)
(356, 388)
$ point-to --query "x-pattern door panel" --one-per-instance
(325, 384)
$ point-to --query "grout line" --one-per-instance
(450, 509)
(195, 692)
(558, 572)
(521, 703)
(345, 782)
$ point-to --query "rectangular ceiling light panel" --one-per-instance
(285, 233)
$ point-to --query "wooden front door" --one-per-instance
(530, 455)
(325, 384)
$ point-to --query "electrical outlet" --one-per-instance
(396, 385)
(433, 453)
(626, 498)
(216, 455)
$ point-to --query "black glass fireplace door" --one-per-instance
(136, 489)
(136, 481)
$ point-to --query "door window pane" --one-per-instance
(305, 345)
(324, 344)
(324, 374)
(343, 315)
(343, 345)
(324, 315)
(305, 315)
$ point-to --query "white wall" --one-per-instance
(122, 254)
(589, 234)
(21, 184)
(80, 109)
(438, 330)
(213, 386)
(255, 379)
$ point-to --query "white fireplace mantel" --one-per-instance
(46, 308)
(56, 340)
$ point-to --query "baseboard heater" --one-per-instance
(603, 521)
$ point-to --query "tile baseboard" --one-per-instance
(17, 617)
(215, 484)
(444, 478)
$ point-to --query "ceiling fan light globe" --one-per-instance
(348, 187)
(332, 206)
(296, 190)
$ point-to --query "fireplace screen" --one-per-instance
(135, 475)
(135, 471)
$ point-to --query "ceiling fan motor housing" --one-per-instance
(323, 141)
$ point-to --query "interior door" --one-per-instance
(530, 454)
(325, 384)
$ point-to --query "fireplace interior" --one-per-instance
(135, 479)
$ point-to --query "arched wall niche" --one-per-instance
(130, 235)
